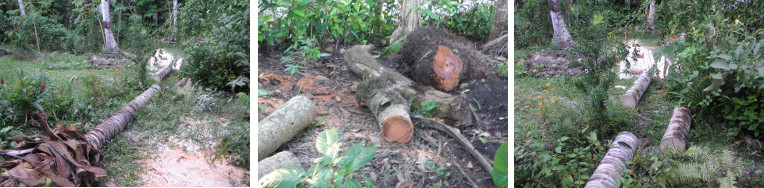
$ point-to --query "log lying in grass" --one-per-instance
(4, 52)
(64, 157)
(181, 83)
(98, 136)
(389, 107)
(162, 73)
(455, 110)
(677, 131)
(279, 127)
(277, 161)
(624, 148)
(632, 97)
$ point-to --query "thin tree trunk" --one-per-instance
(500, 17)
(111, 44)
(677, 131)
(567, 11)
(279, 127)
(36, 38)
(174, 19)
(68, 14)
(98, 136)
(650, 16)
(453, 109)
(277, 161)
(624, 148)
(562, 38)
(21, 7)
(408, 21)
(632, 97)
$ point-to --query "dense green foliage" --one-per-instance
(473, 24)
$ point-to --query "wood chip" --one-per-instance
(469, 165)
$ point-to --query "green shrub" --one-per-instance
(34, 91)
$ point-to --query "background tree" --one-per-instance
(111, 44)
(409, 20)
(499, 24)
(562, 38)
(21, 7)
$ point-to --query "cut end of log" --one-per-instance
(673, 144)
(397, 128)
(629, 101)
(447, 68)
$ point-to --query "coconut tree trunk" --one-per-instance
(650, 16)
(632, 97)
(455, 110)
(500, 17)
(624, 148)
(21, 7)
(409, 21)
(279, 127)
(389, 108)
(677, 131)
(111, 44)
(162, 73)
(98, 136)
(174, 19)
(277, 161)
(562, 38)
(181, 83)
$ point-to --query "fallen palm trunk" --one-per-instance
(632, 97)
(624, 148)
(279, 127)
(181, 83)
(277, 161)
(162, 73)
(64, 157)
(677, 131)
(389, 107)
(455, 110)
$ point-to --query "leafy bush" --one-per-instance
(474, 24)
(221, 58)
(331, 170)
(21, 97)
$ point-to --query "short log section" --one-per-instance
(632, 97)
(279, 127)
(162, 73)
(678, 130)
(277, 161)
(624, 148)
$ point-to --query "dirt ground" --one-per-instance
(177, 168)
(329, 84)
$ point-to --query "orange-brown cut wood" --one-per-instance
(446, 69)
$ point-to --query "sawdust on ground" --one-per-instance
(174, 167)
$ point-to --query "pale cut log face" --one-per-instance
(446, 67)
(397, 128)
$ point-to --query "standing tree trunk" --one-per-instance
(68, 19)
(677, 131)
(281, 125)
(499, 24)
(98, 136)
(562, 38)
(174, 19)
(650, 16)
(111, 44)
(409, 21)
(624, 148)
(21, 7)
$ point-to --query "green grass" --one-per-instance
(165, 117)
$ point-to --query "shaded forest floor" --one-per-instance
(431, 158)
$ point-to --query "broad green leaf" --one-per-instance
(323, 177)
(724, 56)
(298, 12)
(327, 143)
(714, 85)
(738, 51)
(500, 166)
(261, 92)
(5, 130)
(349, 155)
(283, 178)
(366, 155)
(352, 183)
(761, 71)
(719, 64)
(429, 13)
(394, 48)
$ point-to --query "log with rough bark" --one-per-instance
(277, 161)
(389, 107)
(677, 131)
(632, 97)
(455, 110)
(181, 83)
(279, 127)
(624, 148)
(98, 136)
(159, 75)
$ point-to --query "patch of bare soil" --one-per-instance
(550, 64)
(331, 86)
(174, 167)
